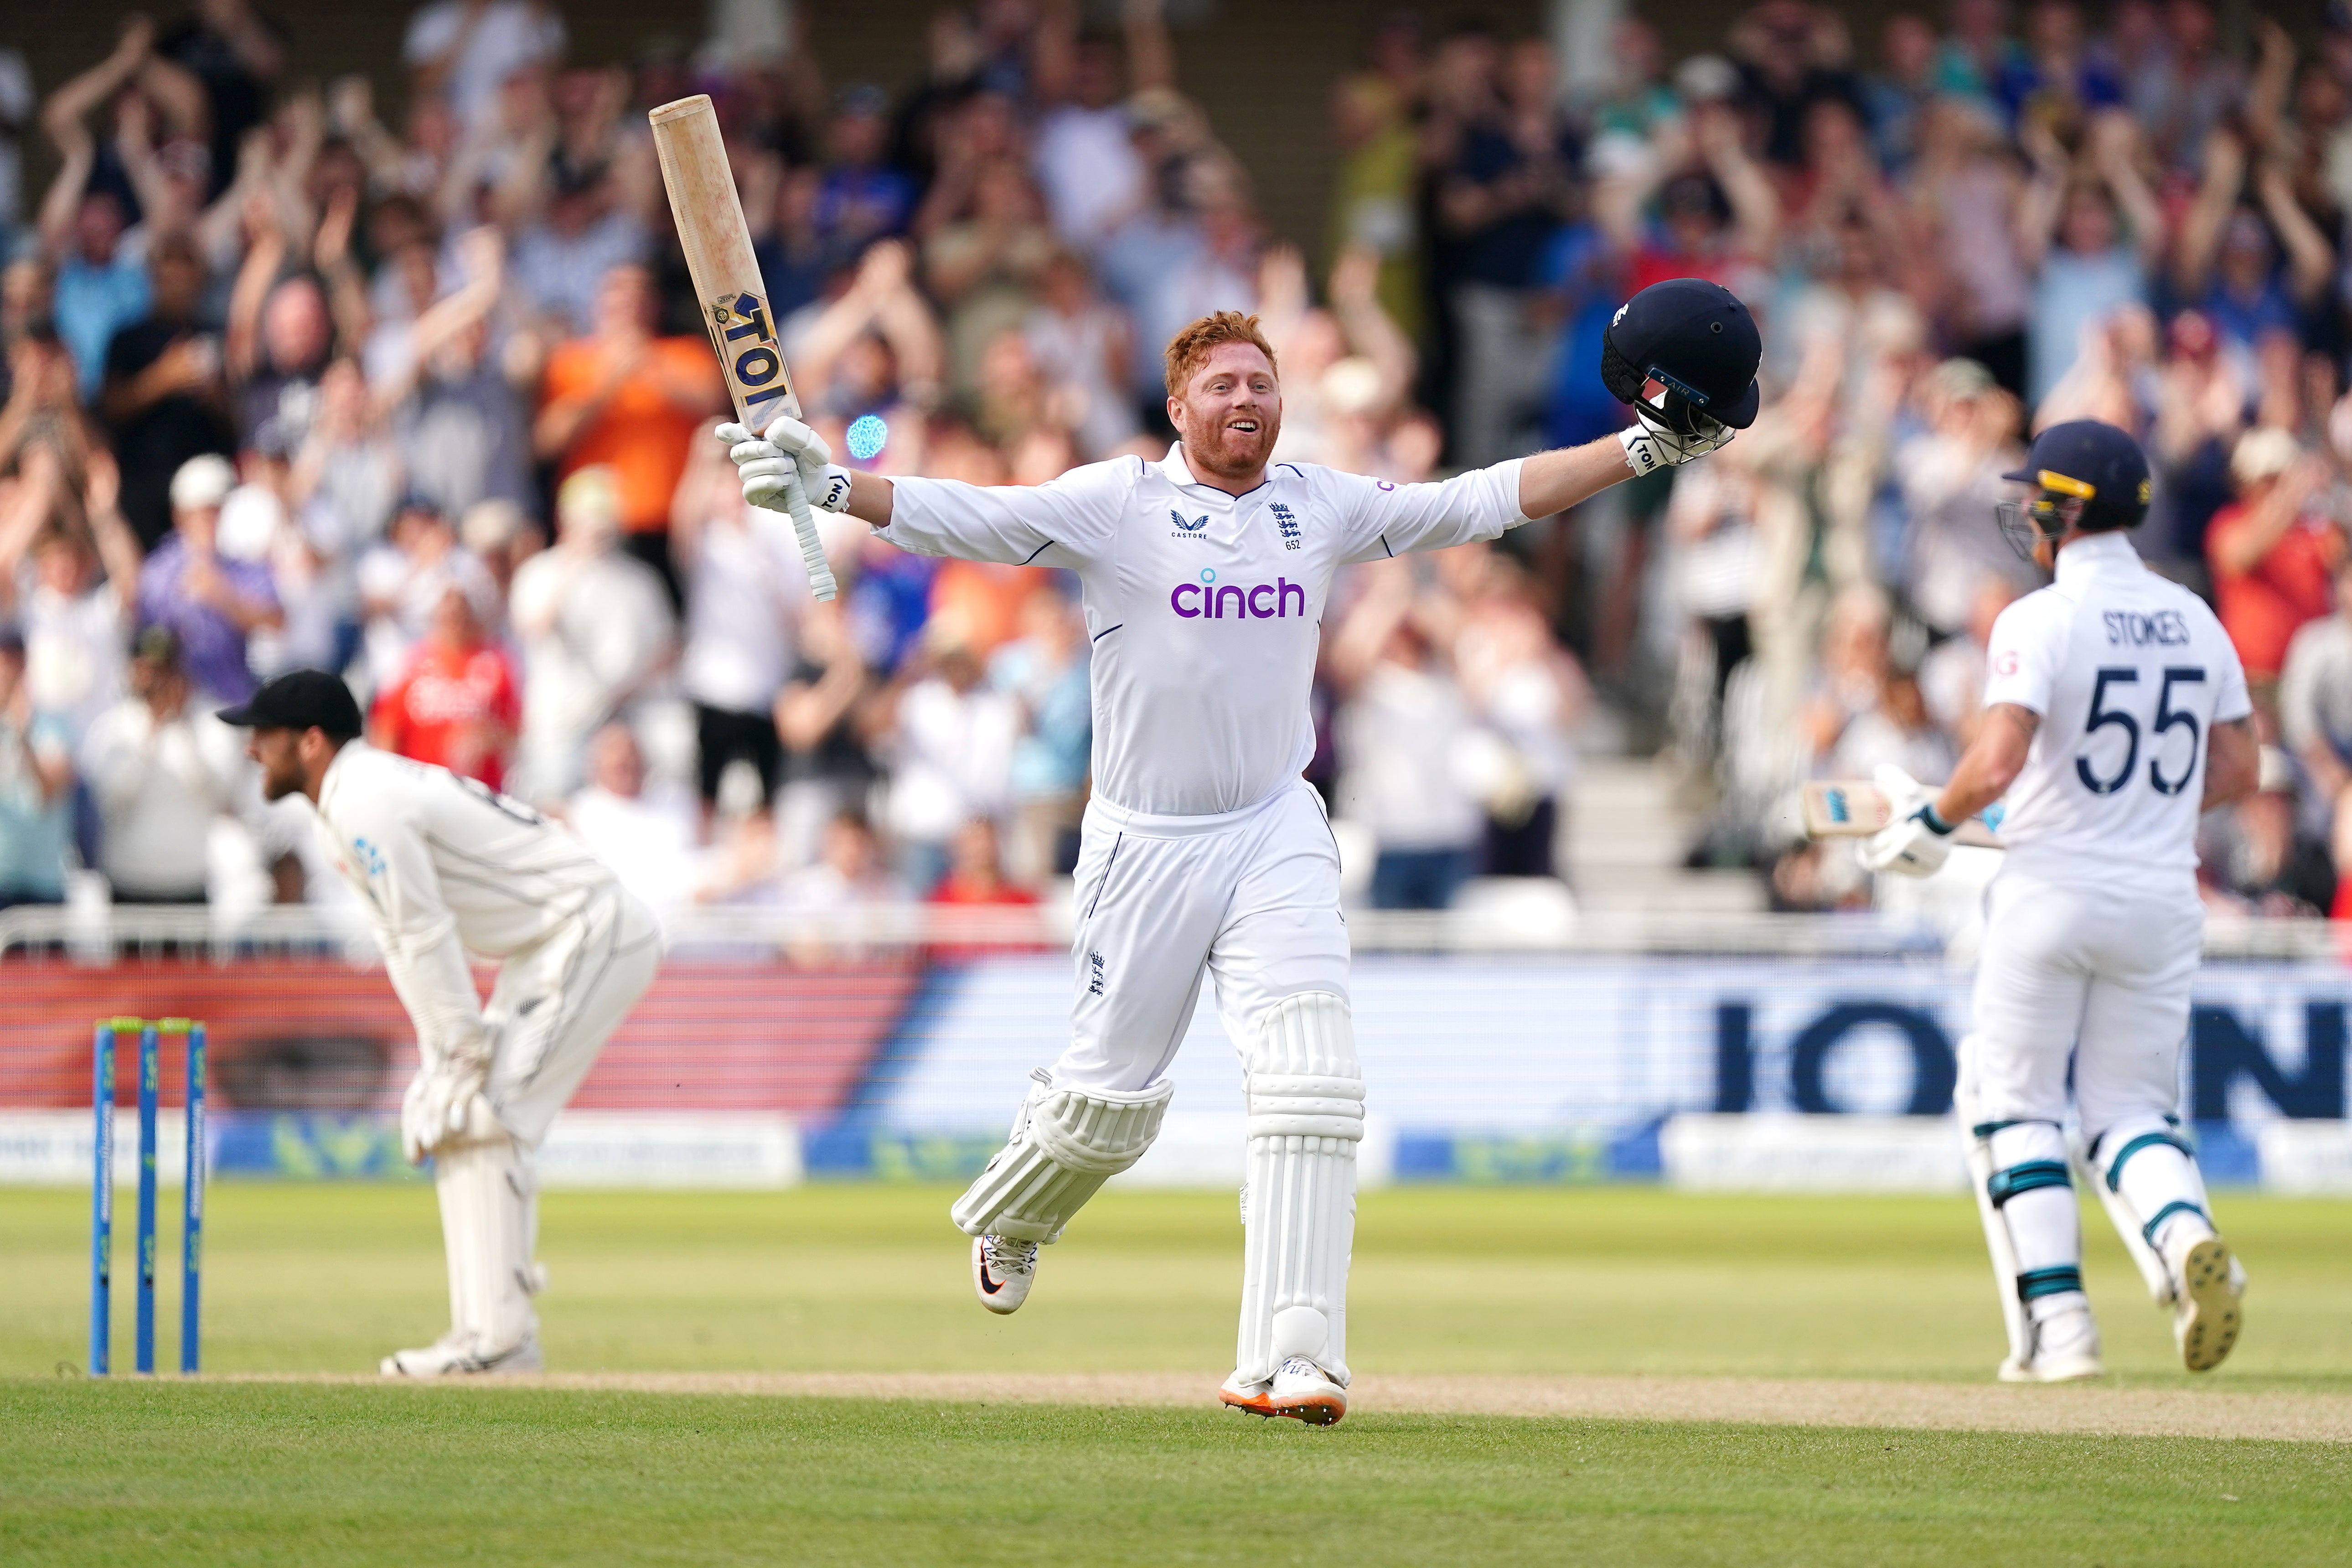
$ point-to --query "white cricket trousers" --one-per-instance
(2099, 969)
(555, 1005)
(1251, 897)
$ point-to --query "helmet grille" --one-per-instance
(1620, 375)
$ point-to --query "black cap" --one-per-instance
(1694, 338)
(299, 699)
(2095, 463)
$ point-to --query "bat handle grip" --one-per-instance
(812, 547)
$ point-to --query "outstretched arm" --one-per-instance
(1385, 520)
(1556, 480)
(1549, 482)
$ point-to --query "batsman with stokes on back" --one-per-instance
(1205, 576)
(2115, 712)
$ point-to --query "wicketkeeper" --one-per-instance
(1205, 576)
(447, 867)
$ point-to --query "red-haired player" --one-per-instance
(1205, 576)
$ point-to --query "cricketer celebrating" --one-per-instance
(1205, 576)
(447, 868)
(2115, 712)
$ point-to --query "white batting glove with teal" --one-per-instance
(1918, 842)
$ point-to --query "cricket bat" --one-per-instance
(726, 282)
(1856, 809)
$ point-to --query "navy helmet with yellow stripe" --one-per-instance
(2086, 475)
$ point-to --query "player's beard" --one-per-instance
(1236, 454)
(277, 785)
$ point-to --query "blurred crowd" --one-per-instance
(420, 392)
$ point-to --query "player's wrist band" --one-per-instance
(1935, 824)
(834, 494)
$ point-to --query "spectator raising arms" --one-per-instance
(630, 403)
(302, 382)
(2274, 555)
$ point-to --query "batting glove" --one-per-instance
(1917, 841)
(1905, 795)
(1915, 846)
(826, 482)
(768, 472)
(1651, 445)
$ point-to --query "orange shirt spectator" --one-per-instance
(982, 599)
(2273, 561)
(456, 703)
(629, 400)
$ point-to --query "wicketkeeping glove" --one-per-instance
(1650, 444)
(445, 1104)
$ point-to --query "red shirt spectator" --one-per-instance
(975, 879)
(2273, 562)
(456, 703)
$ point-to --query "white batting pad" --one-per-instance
(489, 1228)
(2149, 1185)
(1065, 1143)
(1298, 1210)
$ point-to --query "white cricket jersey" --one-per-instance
(2129, 674)
(1203, 606)
(448, 867)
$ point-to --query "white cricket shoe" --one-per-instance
(1302, 1391)
(2065, 1350)
(453, 1355)
(1255, 1395)
(2207, 1312)
(1003, 1269)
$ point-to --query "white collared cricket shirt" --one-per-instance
(2129, 673)
(448, 867)
(1204, 608)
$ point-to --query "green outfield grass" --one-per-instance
(345, 1475)
(827, 1277)
(325, 1278)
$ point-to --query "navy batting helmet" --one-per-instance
(1697, 342)
(2086, 475)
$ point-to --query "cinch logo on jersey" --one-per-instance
(2166, 628)
(1217, 601)
(1196, 528)
(1287, 521)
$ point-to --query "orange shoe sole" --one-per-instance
(1259, 1403)
(1318, 1410)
